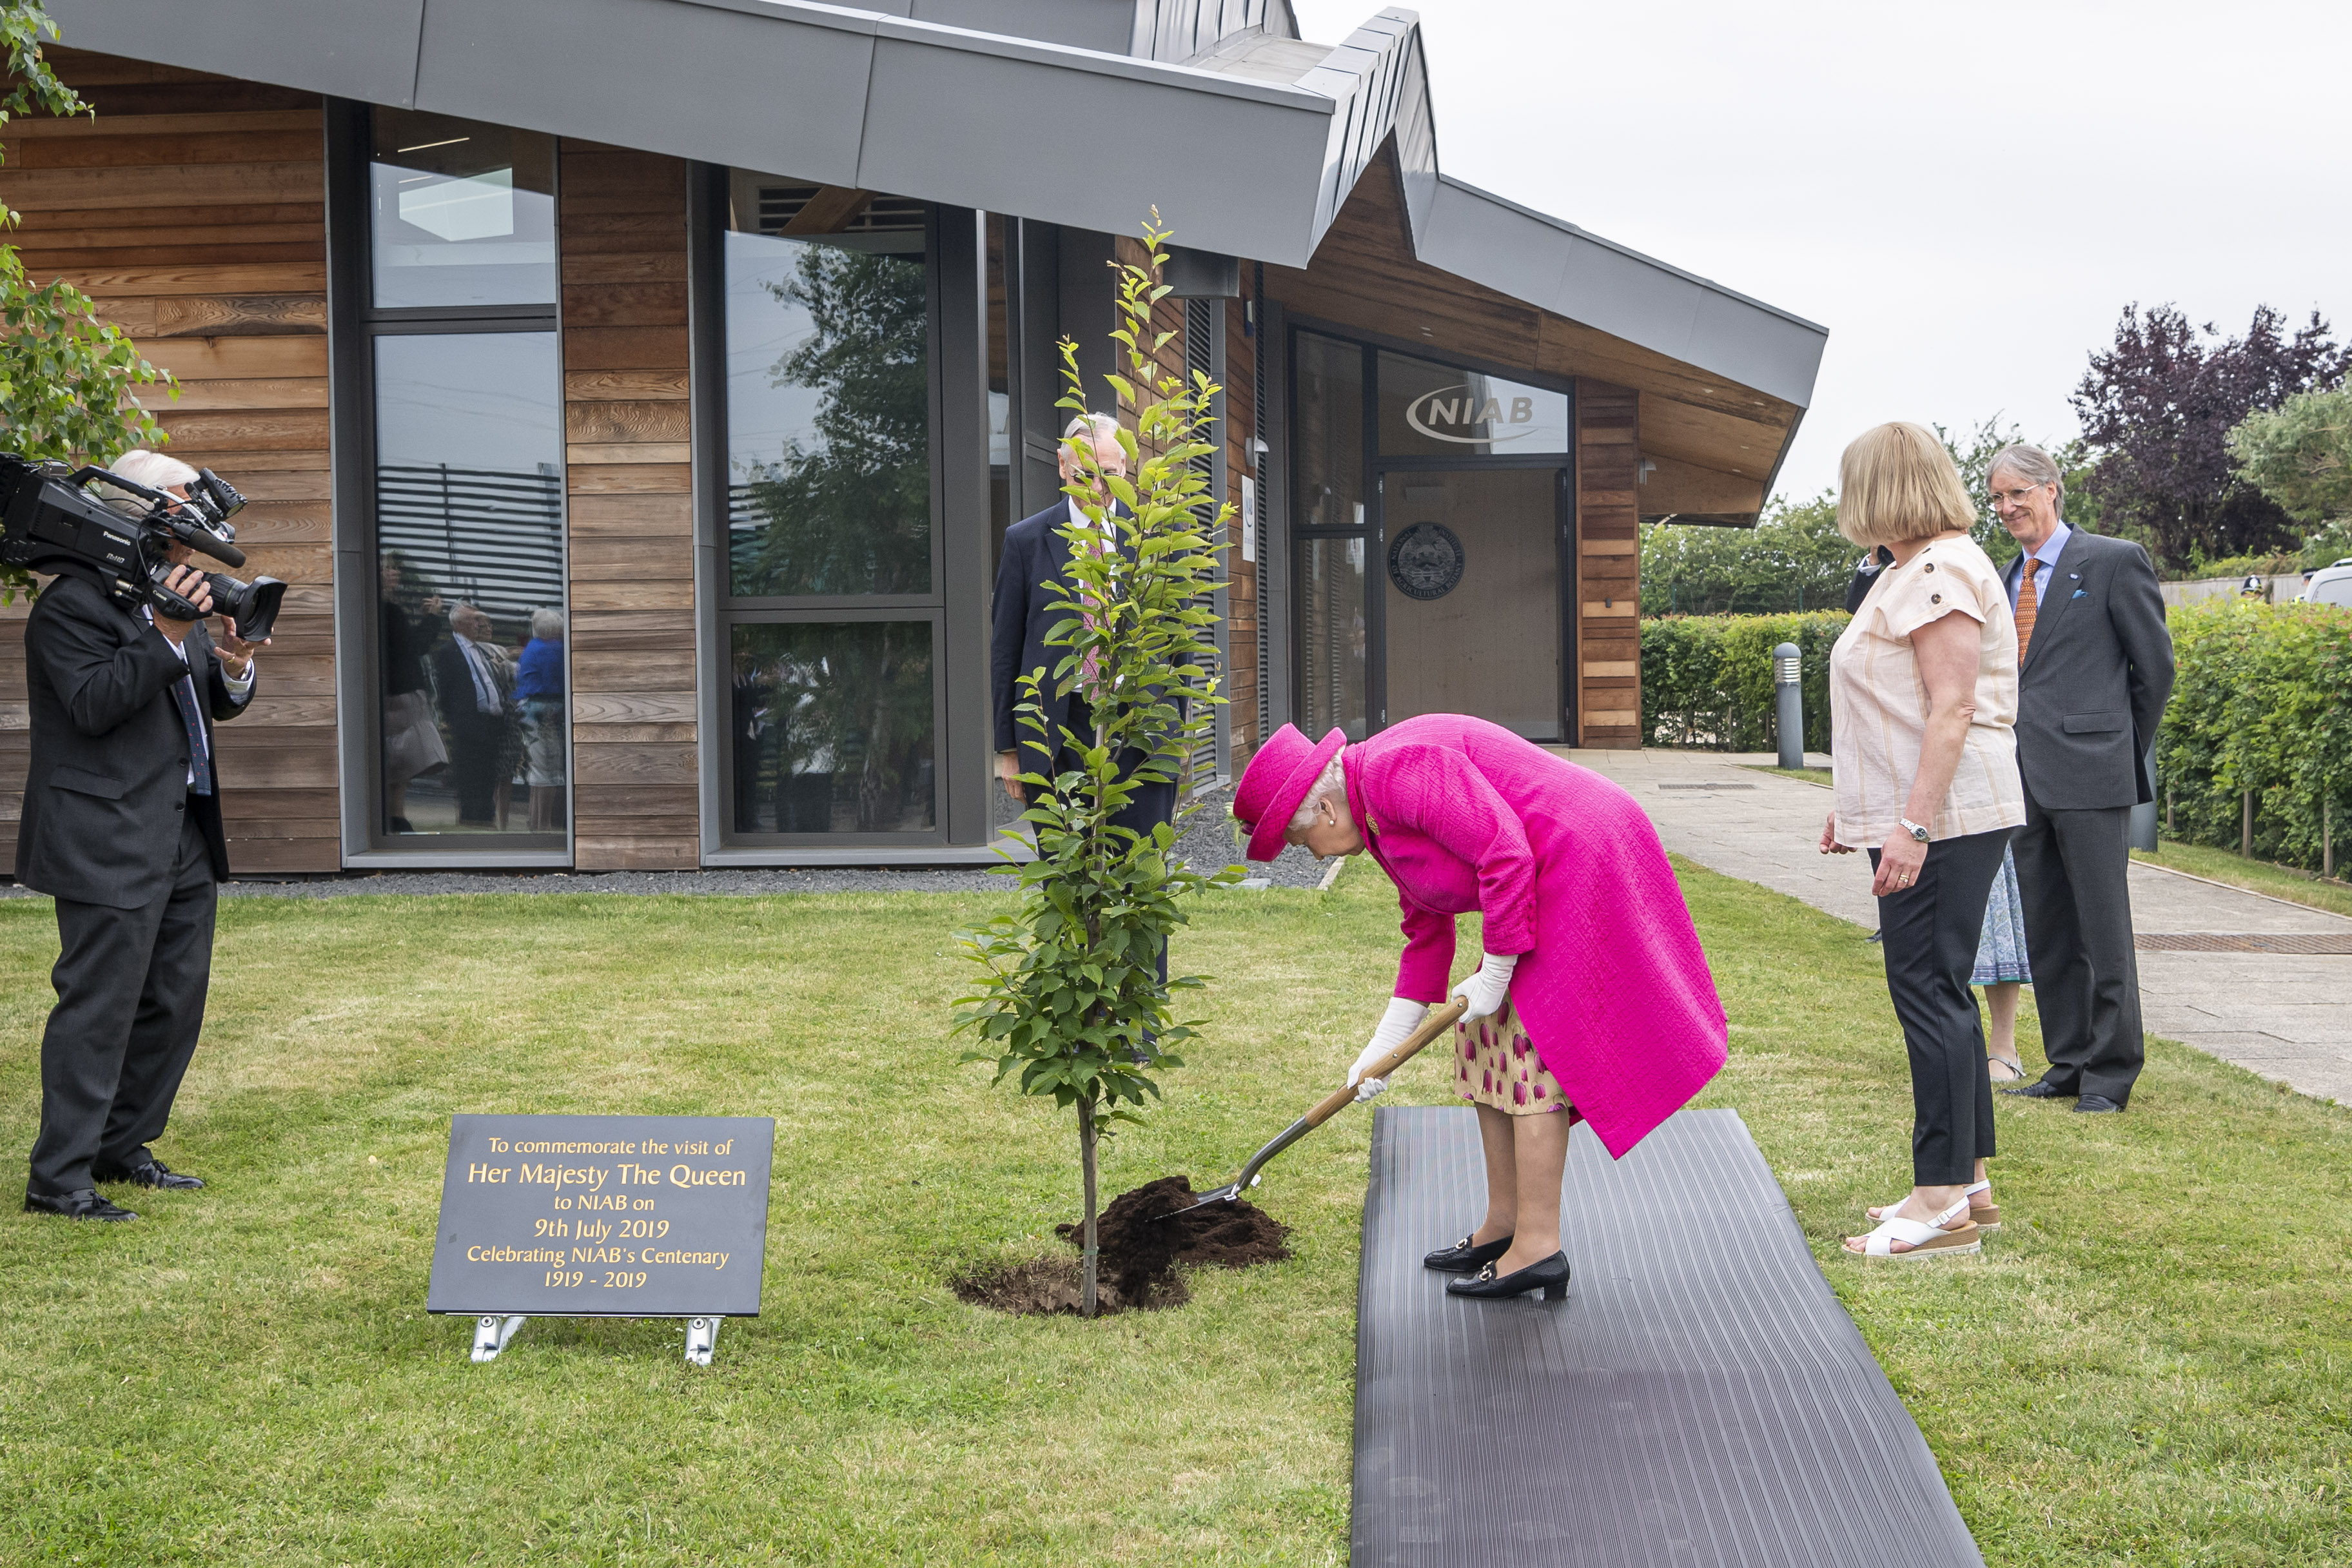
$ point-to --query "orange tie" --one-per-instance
(2025, 607)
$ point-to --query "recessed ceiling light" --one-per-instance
(420, 146)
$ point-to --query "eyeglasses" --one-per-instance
(2015, 498)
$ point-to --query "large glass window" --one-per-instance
(461, 213)
(472, 712)
(1440, 411)
(834, 604)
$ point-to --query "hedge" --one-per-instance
(1706, 681)
(2263, 702)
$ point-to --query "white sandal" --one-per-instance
(1923, 1239)
(1986, 1215)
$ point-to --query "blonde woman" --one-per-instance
(1924, 755)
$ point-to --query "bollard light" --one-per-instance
(1788, 675)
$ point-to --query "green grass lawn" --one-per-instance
(2256, 875)
(1810, 775)
(2151, 1366)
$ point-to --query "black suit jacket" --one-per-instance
(106, 791)
(1034, 554)
(2096, 676)
(461, 706)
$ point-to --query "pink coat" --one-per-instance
(1612, 989)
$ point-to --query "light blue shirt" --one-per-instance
(2045, 562)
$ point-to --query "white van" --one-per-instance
(2330, 585)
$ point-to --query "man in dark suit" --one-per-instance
(2094, 671)
(471, 678)
(123, 826)
(1035, 553)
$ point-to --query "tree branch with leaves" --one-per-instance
(66, 376)
(1070, 1002)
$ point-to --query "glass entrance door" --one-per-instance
(1469, 578)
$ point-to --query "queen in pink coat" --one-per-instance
(1593, 1000)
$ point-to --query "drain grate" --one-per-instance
(2324, 943)
(1706, 786)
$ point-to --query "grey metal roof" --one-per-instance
(892, 96)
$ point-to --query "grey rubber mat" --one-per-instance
(1700, 1398)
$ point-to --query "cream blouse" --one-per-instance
(1878, 704)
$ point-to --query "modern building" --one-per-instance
(636, 391)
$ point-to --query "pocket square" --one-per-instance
(2081, 593)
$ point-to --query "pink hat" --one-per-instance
(1275, 782)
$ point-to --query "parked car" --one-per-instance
(2330, 585)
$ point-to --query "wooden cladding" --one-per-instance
(191, 209)
(1608, 565)
(622, 218)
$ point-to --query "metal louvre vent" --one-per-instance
(779, 205)
(492, 538)
(1199, 343)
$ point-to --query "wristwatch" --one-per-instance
(1914, 829)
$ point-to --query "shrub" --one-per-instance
(1706, 681)
(2262, 703)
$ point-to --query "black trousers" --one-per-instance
(474, 741)
(131, 999)
(1930, 933)
(2073, 870)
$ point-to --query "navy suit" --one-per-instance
(2092, 689)
(1035, 553)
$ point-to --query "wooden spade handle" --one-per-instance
(1439, 1020)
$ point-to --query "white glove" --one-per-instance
(1397, 1026)
(1488, 987)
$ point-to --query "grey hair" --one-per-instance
(2029, 463)
(154, 469)
(547, 623)
(1104, 425)
(1330, 785)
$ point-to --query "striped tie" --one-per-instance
(200, 760)
(2026, 601)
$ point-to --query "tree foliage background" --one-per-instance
(67, 379)
(2158, 407)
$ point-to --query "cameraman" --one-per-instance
(123, 826)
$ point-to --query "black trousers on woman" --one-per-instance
(1930, 933)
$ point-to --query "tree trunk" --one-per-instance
(1086, 1291)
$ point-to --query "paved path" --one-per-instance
(2283, 1015)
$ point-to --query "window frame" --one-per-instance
(720, 609)
(354, 322)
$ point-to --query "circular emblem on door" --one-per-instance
(1426, 560)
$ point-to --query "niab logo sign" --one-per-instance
(1462, 414)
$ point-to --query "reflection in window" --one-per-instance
(1438, 410)
(1330, 456)
(828, 429)
(470, 573)
(832, 727)
(1332, 637)
(462, 214)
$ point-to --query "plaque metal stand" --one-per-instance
(492, 1332)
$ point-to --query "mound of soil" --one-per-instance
(1140, 1252)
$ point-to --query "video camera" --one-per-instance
(48, 514)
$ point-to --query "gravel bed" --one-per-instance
(1209, 841)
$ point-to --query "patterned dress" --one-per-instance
(2001, 950)
(1494, 1064)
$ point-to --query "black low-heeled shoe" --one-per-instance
(1465, 1257)
(1549, 1275)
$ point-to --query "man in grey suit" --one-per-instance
(2094, 671)
(121, 824)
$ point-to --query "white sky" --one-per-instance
(1966, 195)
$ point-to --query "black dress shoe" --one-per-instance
(1466, 1257)
(83, 1205)
(2095, 1104)
(1549, 1275)
(2042, 1089)
(154, 1174)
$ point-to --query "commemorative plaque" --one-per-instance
(1426, 560)
(601, 1216)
